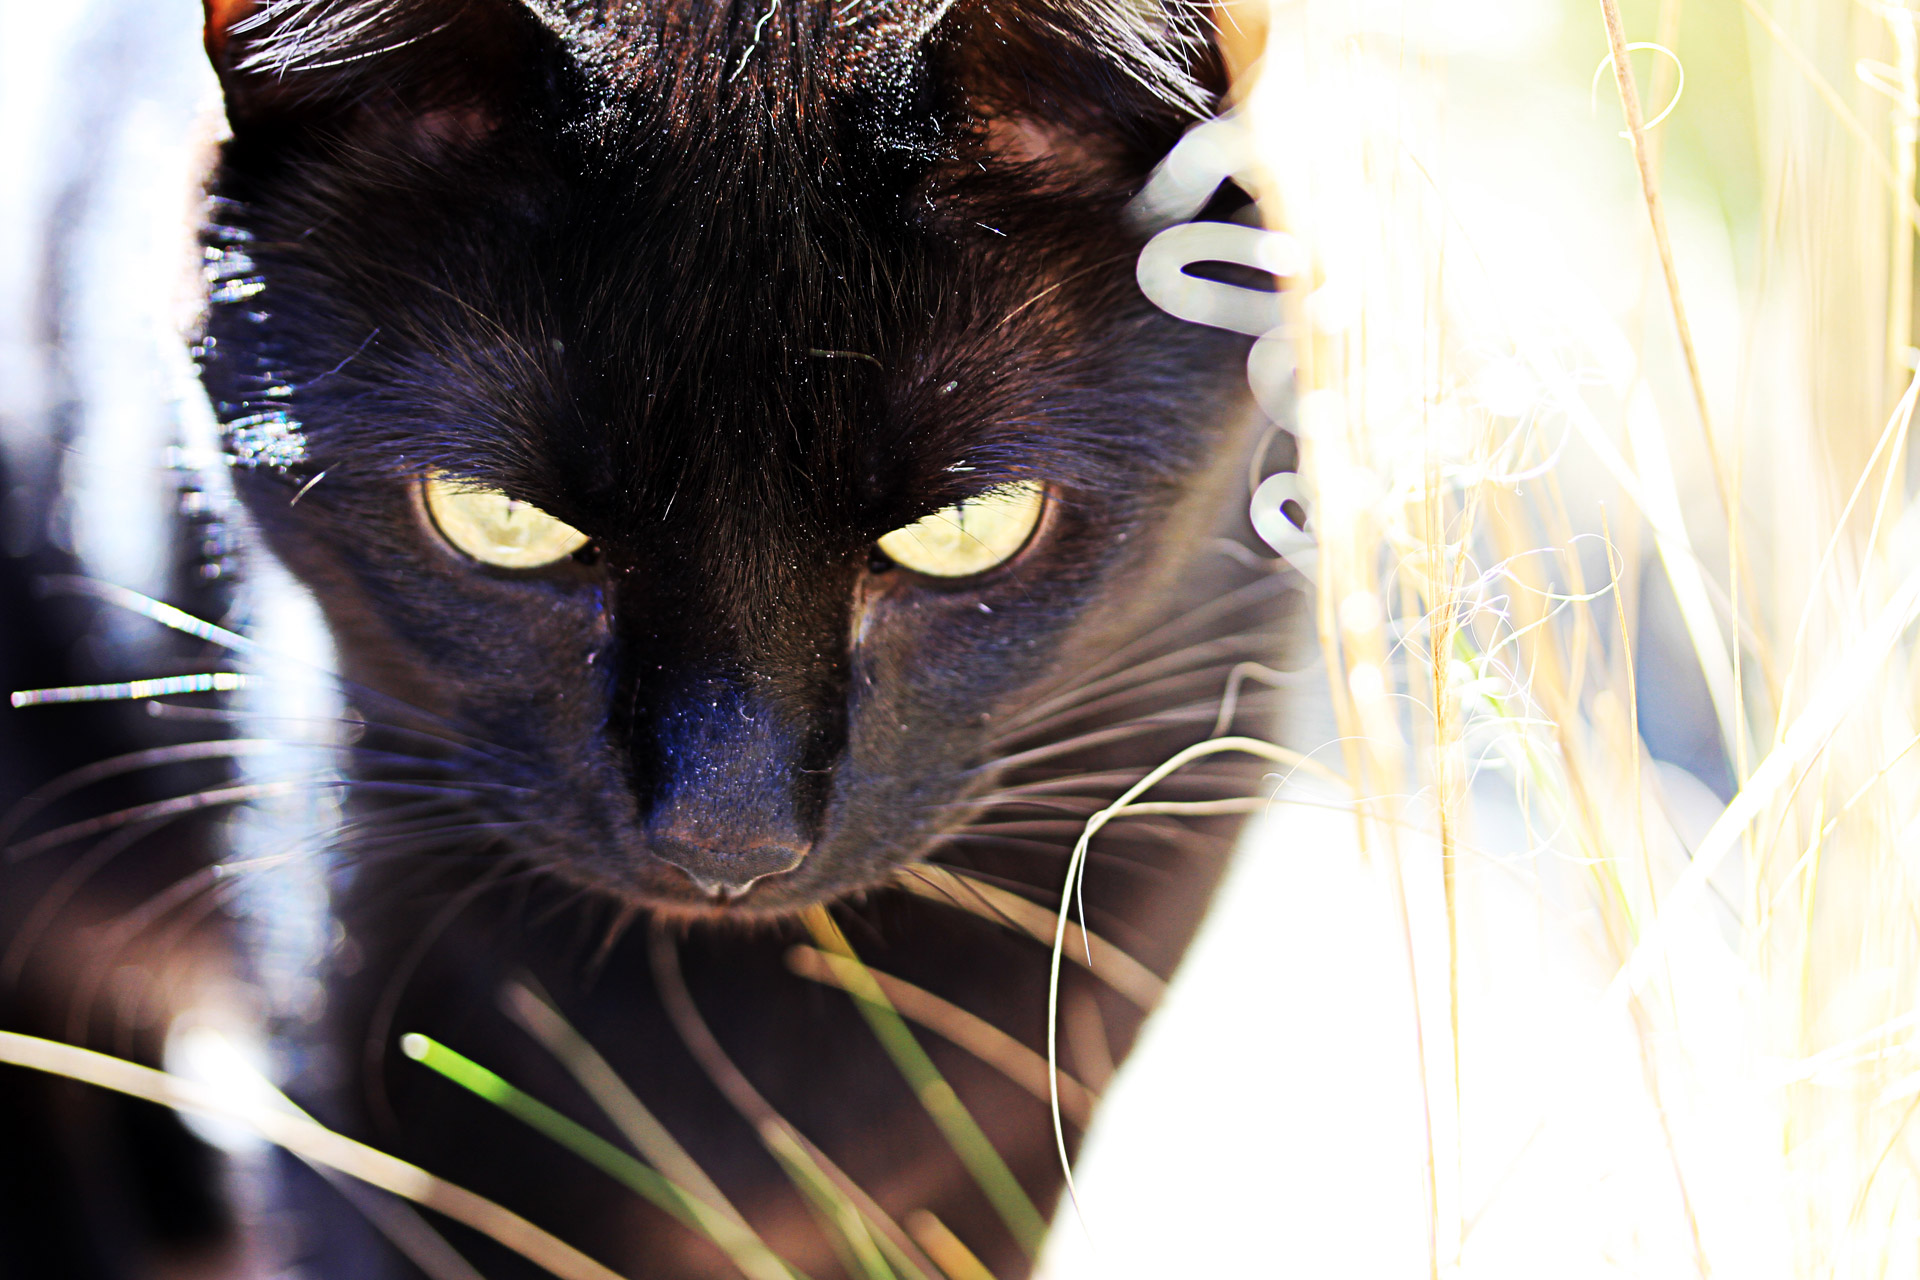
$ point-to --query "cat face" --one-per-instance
(607, 354)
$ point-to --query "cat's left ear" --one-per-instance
(439, 72)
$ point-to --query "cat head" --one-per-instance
(632, 363)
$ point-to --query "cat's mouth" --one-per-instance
(724, 873)
(724, 893)
(721, 894)
(763, 898)
(738, 888)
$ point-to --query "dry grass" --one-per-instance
(1538, 410)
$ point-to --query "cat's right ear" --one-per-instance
(222, 17)
(439, 72)
(1093, 91)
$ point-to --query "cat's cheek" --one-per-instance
(931, 670)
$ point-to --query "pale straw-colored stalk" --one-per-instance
(1507, 471)
(310, 1141)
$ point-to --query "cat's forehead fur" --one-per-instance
(756, 178)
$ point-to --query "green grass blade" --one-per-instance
(859, 1249)
(743, 1248)
(638, 1125)
(955, 1122)
(853, 1220)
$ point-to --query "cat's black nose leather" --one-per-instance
(725, 803)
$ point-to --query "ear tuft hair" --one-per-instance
(282, 38)
(281, 58)
(1159, 44)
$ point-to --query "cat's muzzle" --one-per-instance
(726, 874)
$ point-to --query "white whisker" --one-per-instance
(133, 690)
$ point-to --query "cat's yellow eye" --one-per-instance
(495, 529)
(969, 537)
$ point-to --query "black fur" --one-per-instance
(622, 323)
(734, 291)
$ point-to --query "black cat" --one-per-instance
(741, 476)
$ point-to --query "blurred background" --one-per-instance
(1584, 937)
(1595, 954)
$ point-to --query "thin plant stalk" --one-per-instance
(1106, 961)
(638, 1125)
(1076, 867)
(311, 1141)
(876, 1246)
(952, 1253)
(958, 1027)
(745, 1250)
(956, 1123)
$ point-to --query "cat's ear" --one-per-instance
(440, 72)
(1090, 87)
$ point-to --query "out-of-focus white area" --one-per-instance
(1269, 1122)
(1272, 1120)
(281, 847)
(233, 1067)
(108, 112)
(1338, 1084)
(105, 110)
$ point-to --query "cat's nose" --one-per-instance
(724, 795)
(727, 870)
